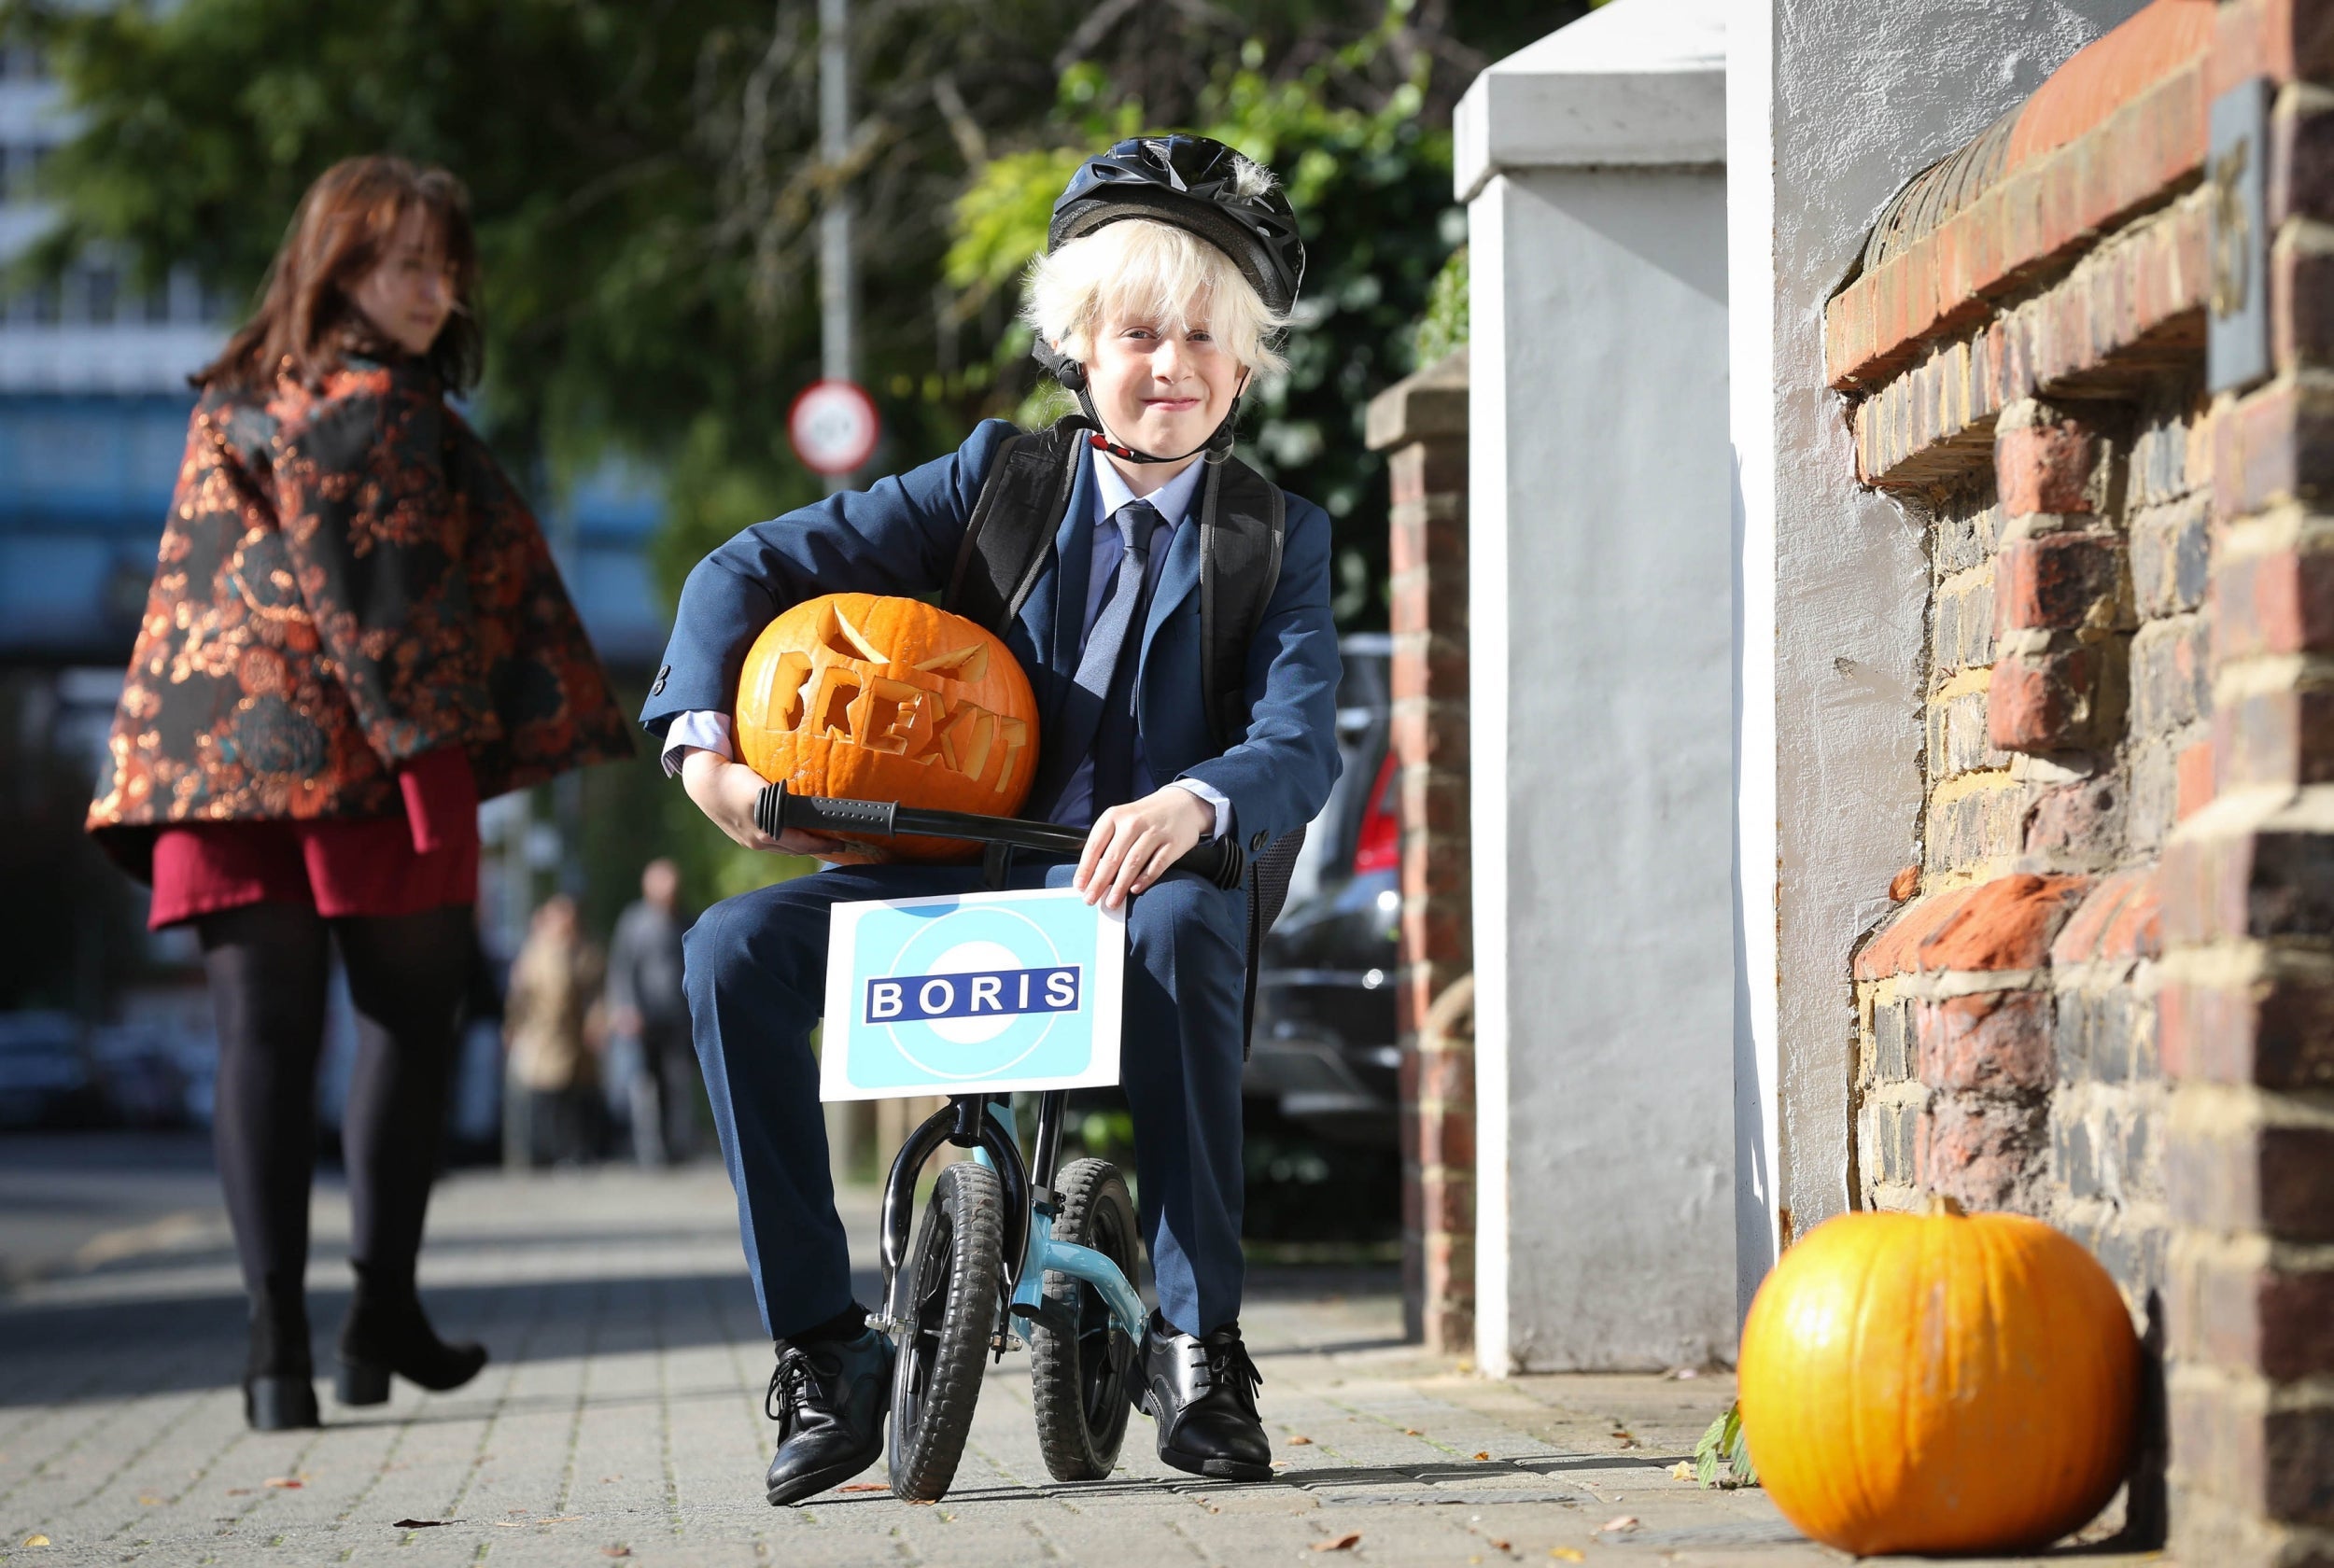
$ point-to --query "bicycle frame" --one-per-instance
(1030, 1249)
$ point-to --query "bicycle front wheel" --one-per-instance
(952, 1279)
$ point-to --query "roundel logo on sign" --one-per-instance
(833, 426)
(974, 993)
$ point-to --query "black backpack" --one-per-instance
(1241, 518)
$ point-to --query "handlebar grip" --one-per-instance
(777, 810)
(1220, 860)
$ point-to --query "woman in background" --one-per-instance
(553, 1032)
(355, 632)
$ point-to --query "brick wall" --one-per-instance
(1421, 422)
(2106, 993)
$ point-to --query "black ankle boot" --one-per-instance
(385, 1332)
(279, 1390)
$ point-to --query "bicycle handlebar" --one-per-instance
(1218, 860)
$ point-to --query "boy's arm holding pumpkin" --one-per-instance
(898, 537)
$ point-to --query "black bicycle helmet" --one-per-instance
(1198, 185)
(1205, 189)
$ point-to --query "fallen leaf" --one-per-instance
(616, 1551)
(1411, 1432)
(419, 1524)
(1346, 1542)
(1623, 1436)
(1280, 1464)
(147, 1500)
(1498, 1543)
(1618, 1525)
(1299, 1442)
(1484, 1455)
(1568, 1554)
(36, 1540)
(605, 1479)
(866, 1486)
(515, 1510)
(285, 1483)
(238, 1491)
(1682, 1470)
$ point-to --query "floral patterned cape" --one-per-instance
(347, 580)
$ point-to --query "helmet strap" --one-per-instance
(1218, 446)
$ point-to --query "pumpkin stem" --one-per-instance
(1941, 1203)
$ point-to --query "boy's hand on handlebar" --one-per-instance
(726, 791)
(1131, 846)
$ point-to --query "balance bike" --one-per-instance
(1002, 1241)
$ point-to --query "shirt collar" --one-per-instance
(1173, 499)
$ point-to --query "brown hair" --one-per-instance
(305, 321)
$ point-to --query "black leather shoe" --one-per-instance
(829, 1398)
(1202, 1394)
(385, 1332)
(279, 1390)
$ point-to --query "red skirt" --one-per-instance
(426, 859)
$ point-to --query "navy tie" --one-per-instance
(1107, 667)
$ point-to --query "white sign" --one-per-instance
(833, 426)
(972, 993)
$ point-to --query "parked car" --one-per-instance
(143, 1075)
(47, 1078)
(1324, 1050)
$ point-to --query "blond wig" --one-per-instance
(1137, 270)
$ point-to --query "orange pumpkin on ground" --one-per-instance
(887, 699)
(1938, 1383)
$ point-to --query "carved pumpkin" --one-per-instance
(885, 699)
(1938, 1383)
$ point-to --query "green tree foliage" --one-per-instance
(1444, 325)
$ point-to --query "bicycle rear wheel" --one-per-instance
(952, 1283)
(1079, 1389)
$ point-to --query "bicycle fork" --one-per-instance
(981, 1124)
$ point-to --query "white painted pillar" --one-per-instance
(1601, 712)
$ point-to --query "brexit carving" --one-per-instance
(998, 993)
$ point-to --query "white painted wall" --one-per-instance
(1601, 737)
(1832, 105)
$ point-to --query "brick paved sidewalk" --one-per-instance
(621, 1420)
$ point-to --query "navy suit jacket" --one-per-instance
(901, 537)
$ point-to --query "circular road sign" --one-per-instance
(833, 426)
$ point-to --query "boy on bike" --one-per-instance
(1171, 264)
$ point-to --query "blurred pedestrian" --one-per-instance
(552, 1023)
(647, 1008)
(354, 632)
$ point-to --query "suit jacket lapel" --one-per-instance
(1177, 578)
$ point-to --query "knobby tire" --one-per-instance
(1081, 1398)
(952, 1279)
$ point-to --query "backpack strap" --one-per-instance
(1013, 521)
(1242, 517)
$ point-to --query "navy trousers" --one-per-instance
(756, 972)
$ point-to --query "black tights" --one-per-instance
(267, 966)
